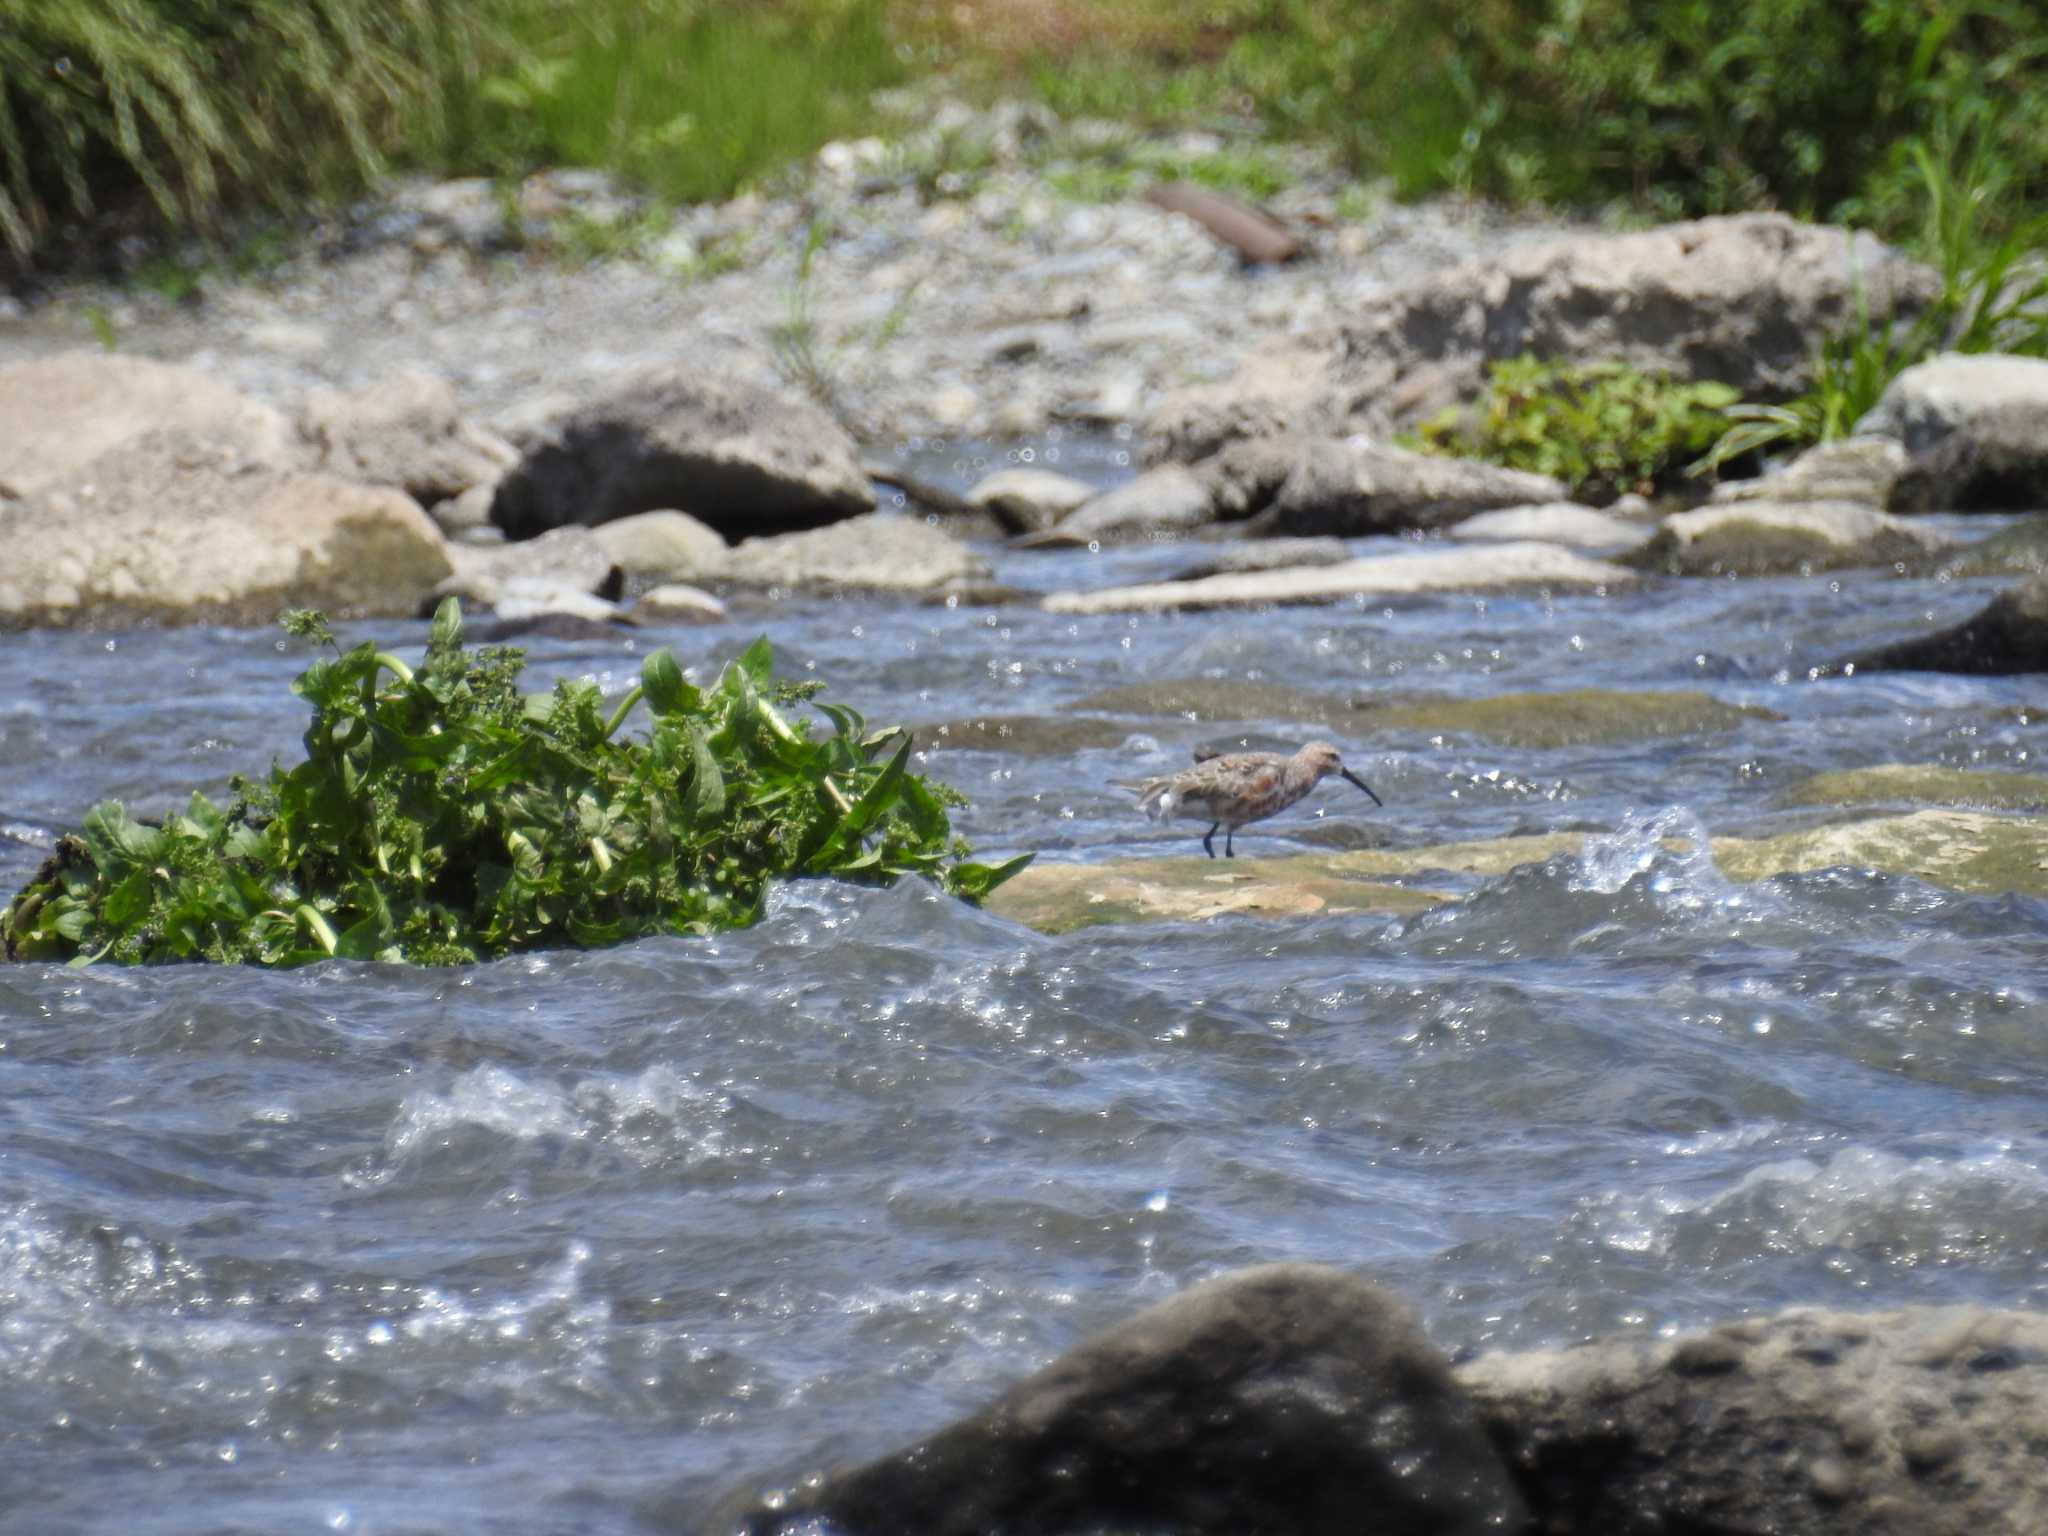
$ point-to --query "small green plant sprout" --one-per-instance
(440, 816)
(1603, 428)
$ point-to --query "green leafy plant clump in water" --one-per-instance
(1602, 428)
(441, 817)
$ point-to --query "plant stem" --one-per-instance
(625, 708)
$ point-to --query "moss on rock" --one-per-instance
(1927, 783)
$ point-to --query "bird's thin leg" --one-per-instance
(1209, 847)
(1228, 851)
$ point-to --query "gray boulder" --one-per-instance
(1932, 401)
(1976, 428)
(1924, 1422)
(1354, 486)
(169, 528)
(407, 431)
(63, 412)
(1998, 463)
(1861, 468)
(1290, 1398)
(1741, 299)
(1168, 499)
(741, 458)
(2019, 550)
(2010, 635)
(1763, 538)
(881, 552)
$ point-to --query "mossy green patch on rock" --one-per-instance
(1573, 718)
(1928, 783)
(1961, 850)
(1026, 735)
(1069, 896)
(1224, 698)
(1570, 718)
(1055, 898)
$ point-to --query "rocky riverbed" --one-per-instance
(1727, 806)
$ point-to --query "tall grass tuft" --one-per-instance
(191, 103)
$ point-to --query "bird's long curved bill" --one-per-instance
(1354, 778)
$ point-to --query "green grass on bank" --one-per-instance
(1662, 107)
(1926, 120)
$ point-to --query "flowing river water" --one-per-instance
(584, 1241)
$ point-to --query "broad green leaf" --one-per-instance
(447, 631)
(666, 690)
(706, 795)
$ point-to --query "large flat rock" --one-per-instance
(1477, 568)
(1971, 851)
(172, 529)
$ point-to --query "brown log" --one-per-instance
(1250, 233)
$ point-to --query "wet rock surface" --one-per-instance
(2009, 635)
(1285, 1398)
(1355, 486)
(1767, 538)
(1926, 1421)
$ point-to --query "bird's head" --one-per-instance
(1323, 760)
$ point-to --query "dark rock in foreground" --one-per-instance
(1928, 1421)
(1296, 1400)
(2008, 636)
(741, 458)
(1288, 1399)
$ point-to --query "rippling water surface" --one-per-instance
(583, 1241)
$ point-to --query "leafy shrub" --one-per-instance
(1602, 428)
(441, 817)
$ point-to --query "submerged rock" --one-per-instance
(1268, 555)
(1960, 850)
(2008, 636)
(63, 412)
(1764, 538)
(741, 458)
(1926, 1421)
(1927, 783)
(1475, 569)
(172, 529)
(1290, 1398)
(1024, 735)
(1355, 486)
(2021, 550)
